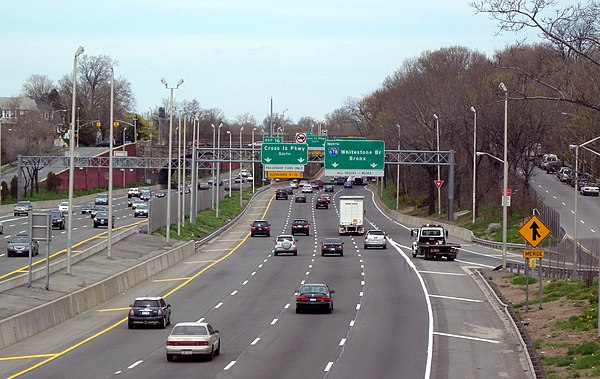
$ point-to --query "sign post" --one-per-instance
(534, 231)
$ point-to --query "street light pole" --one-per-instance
(72, 159)
(439, 191)
(229, 133)
(253, 176)
(78, 127)
(183, 181)
(134, 130)
(474, 157)
(218, 167)
(179, 189)
(164, 82)
(110, 162)
(398, 171)
(505, 180)
(212, 169)
(240, 173)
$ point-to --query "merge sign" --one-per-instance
(354, 158)
(534, 231)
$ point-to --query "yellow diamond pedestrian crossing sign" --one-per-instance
(534, 231)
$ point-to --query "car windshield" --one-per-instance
(300, 222)
(23, 203)
(146, 304)
(102, 214)
(431, 233)
(284, 238)
(376, 232)
(20, 239)
(332, 240)
(142, 206)
(56, 214)
(195, 330)
(260, 223)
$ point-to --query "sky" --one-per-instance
(309, 56)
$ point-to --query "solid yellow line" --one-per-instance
(214, 250)
(169, 280)
(41, 261)
(80, 343)
(26, 357)
(191, 262)
(112, 309)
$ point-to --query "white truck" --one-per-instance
(352, 215)
(431, 241)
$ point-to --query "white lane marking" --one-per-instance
(342, 342)
(572, 211)
(563, 203)
(307, 272)
(201, 319)
(328, 367)
(361, 261)
(118, 372)
(362, 273)
(229, 365)
(245, 282)
(234, 292)
(362, 283)
(466, 337)
(260, 265)
(253, 273)
(287, 306)
(302, 282)
(442, 273)
(357, 306)
(218, 305)
(360, 294)
(362, 266)
(592, 230)
(255, 341)
(554, 196)
(351, 323)
(134, 364)
(582, 221)
(457, 298)
(274, 321)
(265, 260)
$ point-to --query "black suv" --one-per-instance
(281, 194)
(149, 311)
(322, 203)
(300, 226)
(259, 227)
(101, 219)
(58, 219)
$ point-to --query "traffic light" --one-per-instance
(161, 112)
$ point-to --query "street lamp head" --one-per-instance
(180, 82)
(435, 116)
(473, 109)
(253, 129)
(242, 128)
(79, 51)
(164, 82)
(479, 153)
(228, 132)
(220, 125)
(502, 87)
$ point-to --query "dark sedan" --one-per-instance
(259, 227)
(149, 311)
(281, 194)
(300, 226)
(98, 208)
(19, 245)
(58, 219)
(321, 203)
(328, 188)
(314, 297)
(300, 198)
(332, 246)
(87, 208)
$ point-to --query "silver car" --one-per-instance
(193, 338)
(23, 207)
(375, 238)
(285, 243)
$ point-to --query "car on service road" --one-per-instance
(300, 226)
(149, 311)
(589, 188)
(22, 207)
(193, 338)
(260, 227)
(314, 297)
(285, 243)
(160, 193)
(19, 245)
(375, 238)
(332, 246)
(58, 219)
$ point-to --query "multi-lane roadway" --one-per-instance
(395, 316)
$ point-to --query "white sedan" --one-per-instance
(64, 207)
(193, 338)
(590, 189)
(307, 188)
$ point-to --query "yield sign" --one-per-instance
(438, 183)
(300, 137)
(534, 231)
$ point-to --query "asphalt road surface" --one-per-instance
(395, 316)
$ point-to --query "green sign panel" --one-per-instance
(272, 140)
(351, 138)
(284, 156)
(350, 157)
(315, 142)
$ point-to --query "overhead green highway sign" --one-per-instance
(284, 156)
(272, 140)
(315, 142)
(354, 158)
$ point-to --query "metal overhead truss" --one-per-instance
(244, 155)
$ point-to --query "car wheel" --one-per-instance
(341, 254)
(298, 310)
(130, 325)
(169, 320)
(414, 254)
(218, 350)
(164, 323)
(95, 226)
(385, 246)
(9, 254)
(170, 357)
(210, 355)
(322, 254)
(365, 247)
(330, 309)
(275, 253)
(268, 234)
(295, 253)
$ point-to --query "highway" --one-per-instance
(394, 316)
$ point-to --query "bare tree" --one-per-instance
(38, 86)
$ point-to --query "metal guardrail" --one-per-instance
(497, 245)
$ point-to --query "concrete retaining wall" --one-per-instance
(39, 319)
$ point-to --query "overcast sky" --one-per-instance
(310, 56)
